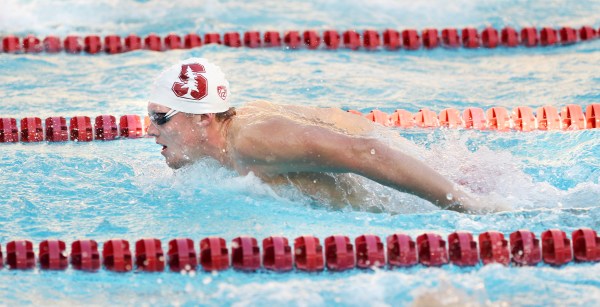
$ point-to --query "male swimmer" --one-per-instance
(306, 146)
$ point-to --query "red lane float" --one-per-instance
(389, 39)
(470, 38)
(308, 254)
(402, 118)
(489, 38)
(462, 249)
(411, 40)
(20, 255)
(113, 44)
(252, 39)
(92, 44)
(529, 37)
(586, 245)
(572, 117)
(52, 44)
(32, 44)
(292, 39)
(245, 254)
(153, 42)
(430, 38)
(450, 118)
(11, 44)
(556, 248)
(117, 256)
(331, 38)
(85, 255)
(525, 248)
(311, 39)
(401, 250)
(214, 255)
(351, 40)
(149, 255)
(493, 248)
(474, 118)
(522, 118)
(272, 39)
(426, 118)
(52, 255)
(429, 250)
(548, 37)
(182, 255)
(133, 42)
(592, 116)
(509, 37)
(232, 39)
(432, 250)
(450, 38)
(31, 129)
(106, 128)
(339, 253)
(548, 118)
(371, 40)
(81, 129)
(191, 40)
(498, 119)
(277, 254)
(369, 252)
(212, 38)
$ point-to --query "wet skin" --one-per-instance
(302, 146)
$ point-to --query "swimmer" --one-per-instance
(191, 118)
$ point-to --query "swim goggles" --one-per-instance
(161, 118)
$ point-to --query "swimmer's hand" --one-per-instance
(480, 205)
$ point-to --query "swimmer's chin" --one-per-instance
(175, 165)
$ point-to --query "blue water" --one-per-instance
(123, 189)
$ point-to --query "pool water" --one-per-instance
(123, 189)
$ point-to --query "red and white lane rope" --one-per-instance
(522, 118)
(307, 254)
(390, 39)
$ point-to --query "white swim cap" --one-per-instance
(192, 86)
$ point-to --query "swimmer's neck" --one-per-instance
(218, 141)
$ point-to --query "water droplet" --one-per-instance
(207, 280)
(449, 196)
(372, 151)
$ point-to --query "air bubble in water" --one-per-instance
(372, 151)
(449, 196)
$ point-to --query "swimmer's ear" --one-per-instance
(206, 119)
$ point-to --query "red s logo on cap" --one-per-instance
(192, 82)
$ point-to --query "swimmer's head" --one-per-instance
(188, 106)
(193, 86)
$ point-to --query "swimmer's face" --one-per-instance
(180, 137)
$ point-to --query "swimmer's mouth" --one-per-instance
(164, 147)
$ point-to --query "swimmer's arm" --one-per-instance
(377, 161)
(294, 148)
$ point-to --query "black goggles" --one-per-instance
(161, 118)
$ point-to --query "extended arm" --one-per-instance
(389, 166)
(285, 146)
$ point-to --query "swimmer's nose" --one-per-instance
(152, 130)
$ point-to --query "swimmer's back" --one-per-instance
(333, 118)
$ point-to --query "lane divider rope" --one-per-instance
(390, 39)
(336, 254)
(105, 128)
